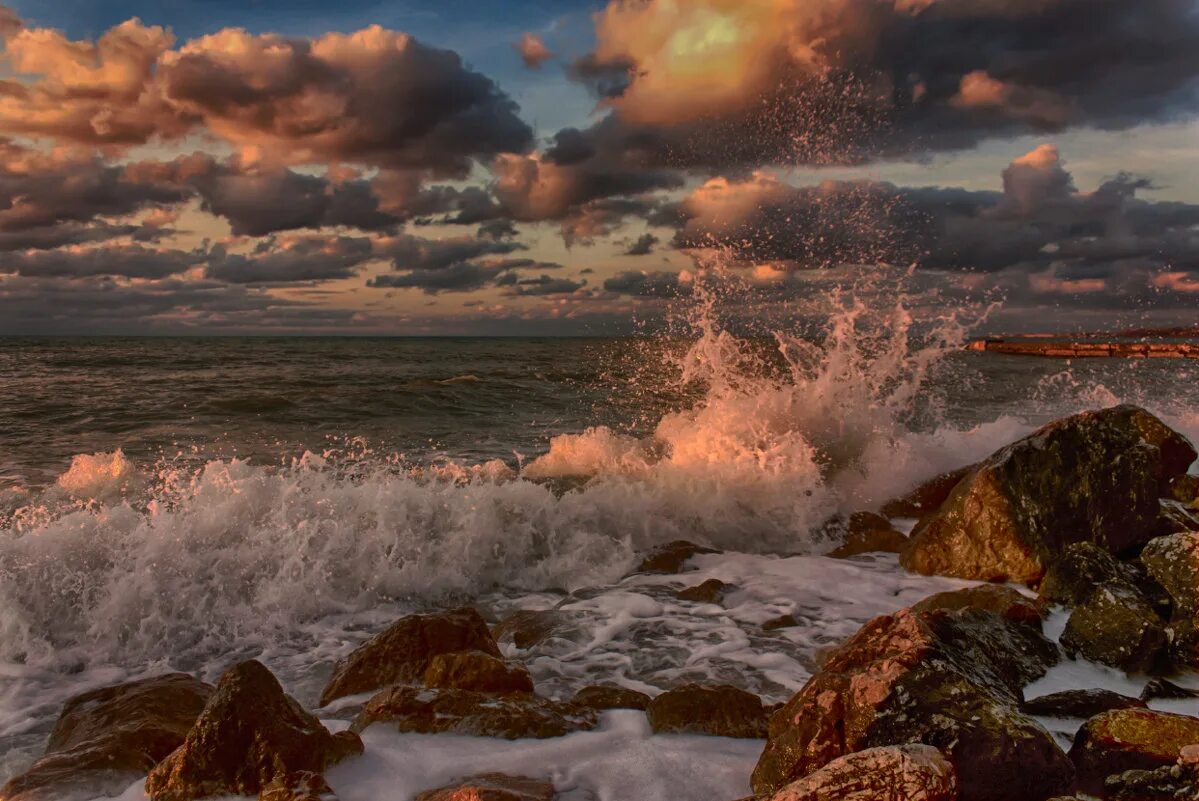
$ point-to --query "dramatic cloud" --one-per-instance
(460, 264)
(130, 261)
(643, 246)
(292, 259)
(533, 51)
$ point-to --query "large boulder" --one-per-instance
(1174, 562)
(927, 497)
(106, 739)
(475, 670)
(1129, 739)
(719, 711)
(251, 736)
(1079, 703)
(893, 773)
(863, 532)
(402, 653)
(492, 787)
(952, 680)
(511, 717)
(996, 598)
(1094, 477)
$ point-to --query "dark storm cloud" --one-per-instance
(129, 261)
(642, 246)
(648, 285)
(291, 260)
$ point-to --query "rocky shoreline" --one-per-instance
(1095, 513)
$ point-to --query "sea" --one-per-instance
(186, 503)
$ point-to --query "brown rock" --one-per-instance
(1116, 626)
(1129, 739)
(892, 773)
(298, 787)
(711, 591)
(948, 679)
(527, 628)
(672, 557)
(781, 622)
(1092, 477)
(1174, 563)
(605, 697)
(719, 711)
(250, 737)
(475, 670)
(1184, 489)
(1081, 570)
(996, 598)
(1080, 703)
(1161, 688)
(512, 717)
(865, 532)
(1174, 517)
(106, 739)
(1177, 782)
(928, 497)
(493, 787)
(402, 653)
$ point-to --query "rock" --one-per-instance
(512, 717)
(892, 773)
(1116, 627)
(527, 628)
(250, 736)
(302, 786)
(864, 532)
(948, 679)
(719, 711)
(928, 497)
(1080, 703)
(1093, 477)
(1129, 739)
(711, 591)
(493, 787)
(475, 670)
(1174, 517)
(402, 653)
(1174, 563)
(1082, 569)
(996, 598)
(1174, 783)
(1160, 688)
(781, 622)
(106, 739)
(605, 697)
(672, 557)
(1184, 489)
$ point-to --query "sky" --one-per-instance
(565, 167)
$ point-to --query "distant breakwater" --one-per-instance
(1088, 350)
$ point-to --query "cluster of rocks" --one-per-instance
(1095, 512)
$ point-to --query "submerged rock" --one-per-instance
(947, 679)
(864, 532)
(512, 717)
(780, 622)
(492, 787)
(475, 670)
(1092, 477)
(403, 652)
(671, 558)
(891, 773)
(527, 628)
(928, 497)
(719, 711)
(1001, 600)
(605, 697)
(250, 736)
(106, 739)
(1129, 739)
(1080, 703)
(711, 591)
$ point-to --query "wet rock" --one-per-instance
(1177, 782)
(1082, 569)
(106, 739)
(527, 628)
(719, 711)
(250, 736)
(864, 532)
(1129, 739)
(781, 622)
(712, 591)
(475, 670)
(605, 697)
(298, 787)
(1093, 477)
(672, 557)
(948, 679)
(1174, 562)
(1116, 627)
(1184, 489)
(1174, 517)
(928, 497)
(493, 787)
(996, 598)
(402, 653)
(1080, 703)
(892, 773)
(512, 717)
(1161, 688)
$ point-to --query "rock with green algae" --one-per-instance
(1129, 739)
(716, 710)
